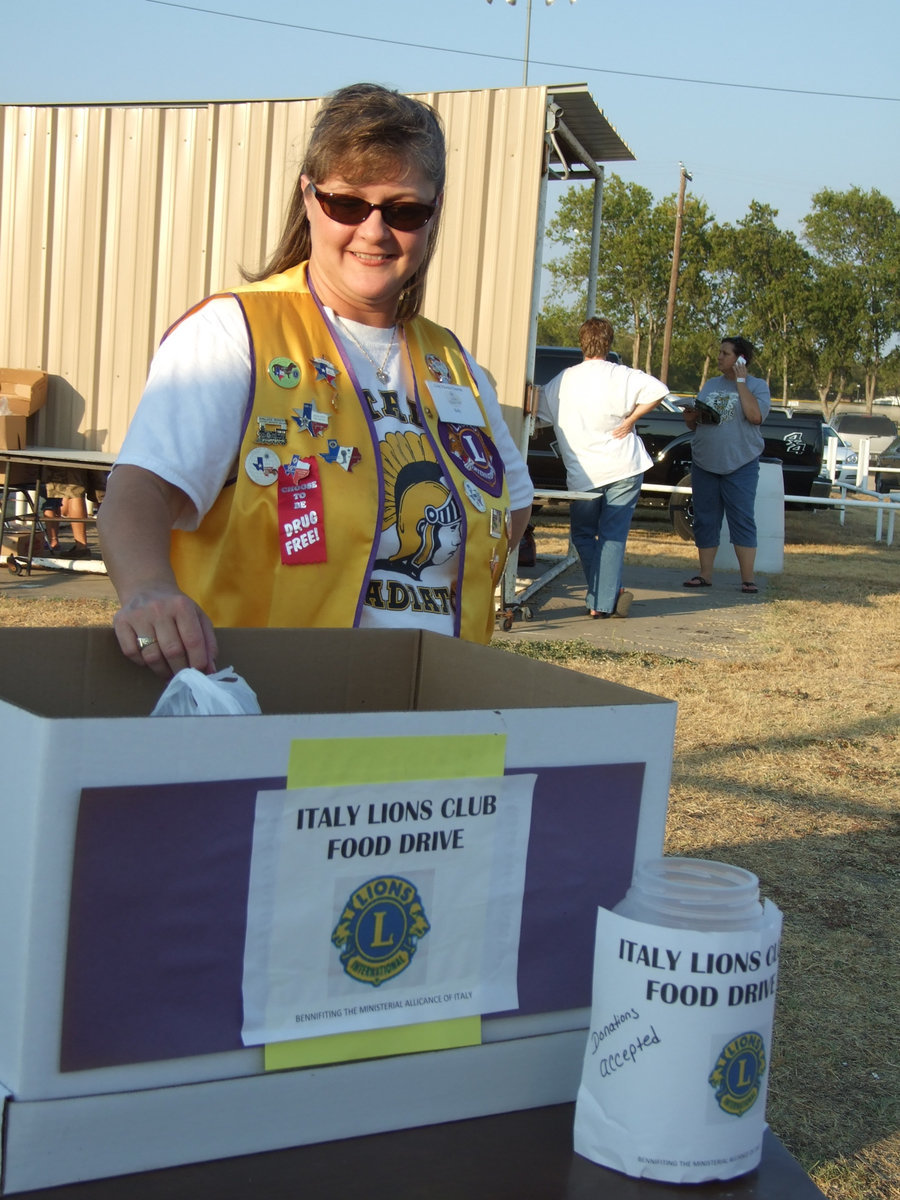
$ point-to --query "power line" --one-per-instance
(753, 87)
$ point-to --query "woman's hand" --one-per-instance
(157, 625)
(622, 430)
(163, 629)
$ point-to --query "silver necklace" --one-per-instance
(380, 373)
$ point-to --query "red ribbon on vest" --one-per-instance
(301, 520)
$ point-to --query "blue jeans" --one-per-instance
(733, 496)
(599, 532)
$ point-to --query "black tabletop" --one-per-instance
(514, 1156)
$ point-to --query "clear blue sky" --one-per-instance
(739, 143)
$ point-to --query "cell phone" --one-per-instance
(741, 361)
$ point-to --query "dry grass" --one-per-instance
(787, 762)
(54, 611)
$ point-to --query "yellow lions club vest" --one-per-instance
(303, 407)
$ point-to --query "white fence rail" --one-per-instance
(877, 503)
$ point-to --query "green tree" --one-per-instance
(558, 325)
(832, 335)
(636, 239)
(769, 281)
(624, 260)
(825, 313)
(858, 234)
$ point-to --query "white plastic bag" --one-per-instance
(190, 693)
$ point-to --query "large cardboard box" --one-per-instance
(123, 875)
(12, 433)
(22, 392)
(17, 536)
(13, 437)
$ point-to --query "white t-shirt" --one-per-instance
(585, 404)
(189, 424)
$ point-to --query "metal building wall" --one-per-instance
(115, 220)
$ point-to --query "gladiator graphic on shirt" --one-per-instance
(421, 515)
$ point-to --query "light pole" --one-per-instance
(528, 34)
(673, 278)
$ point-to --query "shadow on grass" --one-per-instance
(834, 1086)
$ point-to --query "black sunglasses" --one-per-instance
(353, 210)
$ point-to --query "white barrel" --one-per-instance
(769, 512)
(679, 1050)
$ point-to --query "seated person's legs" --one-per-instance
(68, 486)
(51, 513)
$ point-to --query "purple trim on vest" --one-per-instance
(251, 395)
(439, 456)
(373, 435)
(495, 488)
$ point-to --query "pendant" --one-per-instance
(381, 376)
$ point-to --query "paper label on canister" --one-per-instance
(678, 1055)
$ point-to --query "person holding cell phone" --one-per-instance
(725, 451)
(309, 450)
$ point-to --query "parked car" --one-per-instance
(887, 481)
(846, 458)
(853, 427)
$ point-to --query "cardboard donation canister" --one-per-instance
(677, 1062)
(370, 907)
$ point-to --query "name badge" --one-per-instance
(456, 404)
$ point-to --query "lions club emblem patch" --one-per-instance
(738, 1073)
(379, 929)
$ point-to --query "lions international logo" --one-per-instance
(379, 929)
(475, 454)
(738, 1073)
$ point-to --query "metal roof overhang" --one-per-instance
(579, 135)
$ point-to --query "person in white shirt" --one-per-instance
(594, 408)
(310, 450)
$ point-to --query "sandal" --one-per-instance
(697, 581)
(749, 588)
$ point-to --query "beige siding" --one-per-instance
(114, 220)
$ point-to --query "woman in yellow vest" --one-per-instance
(309, 450)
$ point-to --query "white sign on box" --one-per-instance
(380, 905)
(677, 1061)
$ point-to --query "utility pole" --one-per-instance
(673, 278)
